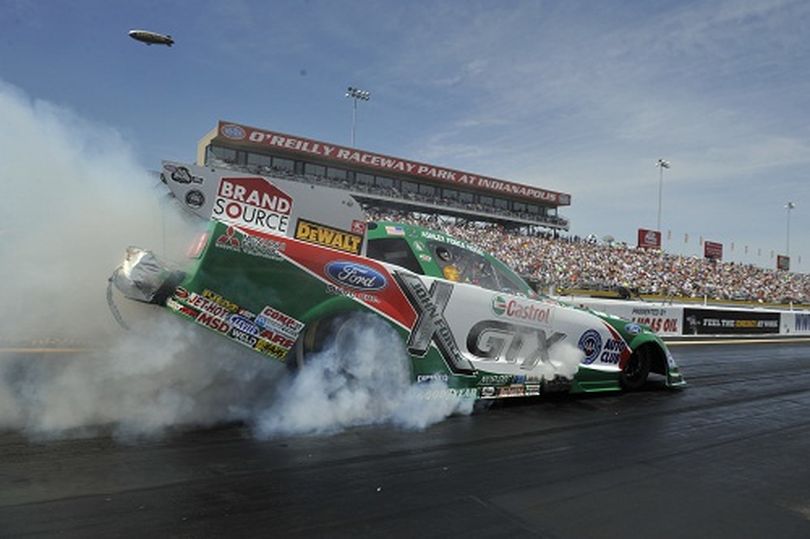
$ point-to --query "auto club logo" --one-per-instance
(591, 343)
(498, 305)
(234, 132)
(195, 199)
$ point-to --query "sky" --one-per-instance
(573, 96)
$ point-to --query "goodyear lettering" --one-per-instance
(319, 234)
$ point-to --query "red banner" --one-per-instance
(261, 137)
(713, 250)
(649, 239)
(783, 262)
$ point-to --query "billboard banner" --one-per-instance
(649, 239)
(726, 322)
(352, 156)
(783, 262)
(712, 250)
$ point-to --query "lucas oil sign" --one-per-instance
(253, 203)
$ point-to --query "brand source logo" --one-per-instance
(591, 344)
(233, 132)
(355, 275)
(517, 311)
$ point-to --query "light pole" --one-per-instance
(661, 164)
(357, 95)
(789, 206)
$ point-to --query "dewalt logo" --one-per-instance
(319, 234)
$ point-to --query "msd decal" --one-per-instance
(253, 203)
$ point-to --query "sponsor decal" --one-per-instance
(182, 309)
(425, 258)
(354, 275)
(632, 329)
(359, 227)
(431, 326)
(195, 199)
(515, 390)
(243, 325)
(518, 310)
(219, 300)
(253, 203)
(487, 392)
(326, 236)
(495, 379)
(271, 318)
(352, 294)
(612, 352)
(591, 343)
(233, 240)
(532, 390)
(231, 131)
(394, 230)
(181, 293)
(493, 340)
(213, 321)
(419, 246)
(182, 175)
(435, 377)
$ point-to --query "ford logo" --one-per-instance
(233, 131)
(355, 275)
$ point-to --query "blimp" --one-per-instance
(151, 38)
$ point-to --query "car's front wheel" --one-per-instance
(635, 372)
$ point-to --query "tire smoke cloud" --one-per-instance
(74, 197)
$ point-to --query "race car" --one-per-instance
(286, 266)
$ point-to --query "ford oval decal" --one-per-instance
(355, 275)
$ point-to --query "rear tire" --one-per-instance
(635, 372)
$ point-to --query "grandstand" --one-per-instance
(517, 223)
(383, 182)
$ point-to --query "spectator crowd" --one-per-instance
(579, 263)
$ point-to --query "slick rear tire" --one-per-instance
(635, 372)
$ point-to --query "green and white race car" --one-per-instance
(285, 266)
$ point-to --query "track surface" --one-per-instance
(727, 457)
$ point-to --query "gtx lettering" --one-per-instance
(492, 340)
(431, 325)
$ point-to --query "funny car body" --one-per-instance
(285, 266)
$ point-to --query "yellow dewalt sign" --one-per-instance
(328, 237)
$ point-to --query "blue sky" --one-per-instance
(580, 97)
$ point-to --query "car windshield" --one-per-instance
(466, 266)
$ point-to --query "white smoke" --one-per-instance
(361, 378)
(73, 199)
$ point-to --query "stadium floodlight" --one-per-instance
(661, 164)
(356, 94)
(789, 206)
